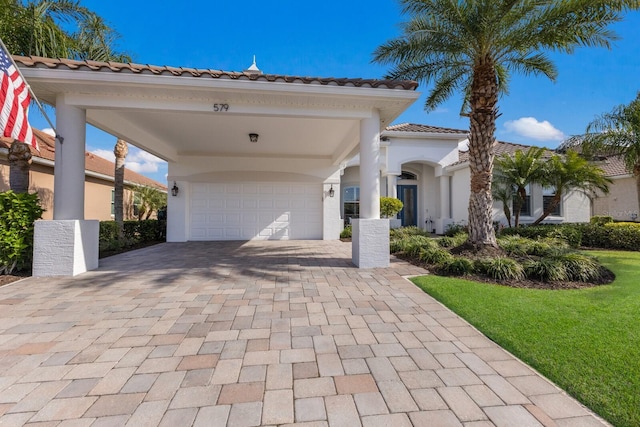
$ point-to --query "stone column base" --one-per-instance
(370, 243)
(65, 247)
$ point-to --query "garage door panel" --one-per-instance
(247, 211)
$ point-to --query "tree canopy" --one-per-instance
(57, 29)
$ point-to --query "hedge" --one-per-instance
(600, 234)
(134, 233)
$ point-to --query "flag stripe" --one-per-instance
(15, 99)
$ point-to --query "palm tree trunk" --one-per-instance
(483, 102)
(120, 150)
(519, 201)
(19, 166)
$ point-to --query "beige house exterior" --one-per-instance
(98, 186)
(622, 201)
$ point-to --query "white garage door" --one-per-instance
(256, 211)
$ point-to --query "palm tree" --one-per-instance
(571, 172)
(120, 151)
(503, 193)
(149, 200)
(38, 27)
(472, 46)
(519, 171)
(19, 165)
(617, 133)
(95, 40)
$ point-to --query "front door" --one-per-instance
(408, 195)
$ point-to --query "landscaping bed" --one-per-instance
(543, 263)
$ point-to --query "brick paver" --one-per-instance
(255, 333)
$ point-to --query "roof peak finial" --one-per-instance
(254, 67)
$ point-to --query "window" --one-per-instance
(351, 200)
(113, 202)
(525, 209)
(548, 193)
(408, 175)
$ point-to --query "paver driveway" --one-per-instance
(245, 334)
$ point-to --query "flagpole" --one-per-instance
(33, 95)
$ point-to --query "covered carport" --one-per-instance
(253, 156)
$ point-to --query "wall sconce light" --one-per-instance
(253, 137)
(174, 190)
(332, 192)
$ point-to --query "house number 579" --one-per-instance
(220, 107)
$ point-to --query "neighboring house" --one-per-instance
(98, 187)
(622, 201)
(427, 168)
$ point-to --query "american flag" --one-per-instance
(14, 100)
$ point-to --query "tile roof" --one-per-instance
(116, 67)
(613, 166)
(499, 148)
(412, 127)
(93, 162)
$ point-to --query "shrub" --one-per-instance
(515, 245)
(458, 266)
(453, 229)
(404, 232)
(389, 206)
(571, 233)
(411, 245)
(346, 233)
(446, 242)
(547, 269)
(434, 255)
(580, 267)
(600, 219)
(502, 268)
(18, 212)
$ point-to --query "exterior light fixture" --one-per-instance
(253, 137)
(174, 190)
(332, 192)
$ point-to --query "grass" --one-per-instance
(587, 341)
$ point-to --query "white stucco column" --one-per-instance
(67, 245)
(370, 167)
(68, 184)
(392, 186)
(443, 222)
(178, 220)
(370, 234)
(332, 223)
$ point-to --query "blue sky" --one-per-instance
(336, 39)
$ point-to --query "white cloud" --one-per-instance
(530, 127)
(137, 160)
(105, 154)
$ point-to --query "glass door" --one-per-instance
(408, 195)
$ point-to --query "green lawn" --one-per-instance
(586, 341)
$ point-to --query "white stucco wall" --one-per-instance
(424, 150)
(460, 192)
(621, 202)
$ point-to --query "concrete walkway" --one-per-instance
(247, 334)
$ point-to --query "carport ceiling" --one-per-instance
(207, 134)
